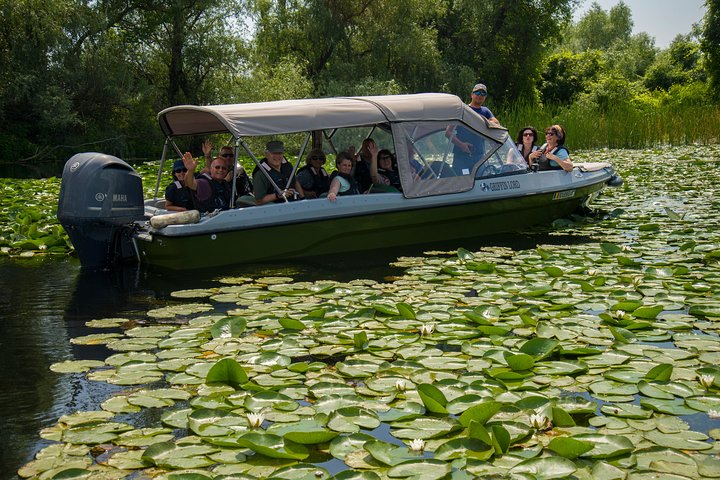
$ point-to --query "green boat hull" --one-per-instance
(358, 233)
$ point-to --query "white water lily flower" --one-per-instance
(255, 419)
(592, 272)
(713, 414)
(427, 329)
(619, 314)
(400, 385)
(417, 445)
(707, 380)
(539, 421)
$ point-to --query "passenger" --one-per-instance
(312, 177)
(243, 185)
(363, 162)
(281, 173)
(526, 142)
(343, 183)
(385, 172)
(552, 155)
(469, 146)
(178, 197)
(210, 191)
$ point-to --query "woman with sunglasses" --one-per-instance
(552, 155)
(178, 197)
(526, 142)
(313, 178)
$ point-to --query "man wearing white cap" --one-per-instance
(478, 96)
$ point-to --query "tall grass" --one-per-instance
(624, 126)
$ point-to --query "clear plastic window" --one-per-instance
(504, 160)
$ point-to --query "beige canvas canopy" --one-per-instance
(303, 115)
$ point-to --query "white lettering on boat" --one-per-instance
(508, 185)
(119, 197)
(562, 195)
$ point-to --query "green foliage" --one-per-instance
(711, 43)
(599, 30)
(565, 75)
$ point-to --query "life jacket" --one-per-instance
(392, 177)
(520, 149)
(321, 180)
(220, 197)
(179, 195)
(546, 164)
(354, 186)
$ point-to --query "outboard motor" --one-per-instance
(100, 197)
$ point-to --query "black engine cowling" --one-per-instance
(100, 197)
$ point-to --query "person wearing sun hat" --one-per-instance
(178, 197)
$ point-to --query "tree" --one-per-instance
(501, 42)
(599, 29)
(711, 43)
(565, 75)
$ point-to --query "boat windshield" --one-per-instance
(444, 157)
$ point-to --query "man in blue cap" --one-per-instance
(178, 197)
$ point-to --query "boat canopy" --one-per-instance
(427, 130)
(293, 116)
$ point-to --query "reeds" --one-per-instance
(623, 126)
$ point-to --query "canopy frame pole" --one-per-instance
(160, 170)
(261, 168)
(297, 162)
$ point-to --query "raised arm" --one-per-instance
(191, 164)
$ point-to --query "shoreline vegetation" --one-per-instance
(92, 77)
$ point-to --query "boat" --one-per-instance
(446, 194)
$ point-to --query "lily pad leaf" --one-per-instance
(272, 446)
(660, 373)
(228, 327)
(647, 312)
(171, 455)
(291, 324)
(306, 432)
(227, 371)
(606, 446)
(569, 447)
(519, 361)
(433, 399)
(479, 413)
(610, 248)
(545, 468)
(675, 406)
(405, 310)
(388, 453)
(539, 347)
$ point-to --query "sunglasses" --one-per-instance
(480, 93)
(527, 134)
(317, 158)
(551, 132)
(183, 170)
(385, 157)
(220, 167)
(227, 155)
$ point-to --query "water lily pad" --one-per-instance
(173, 456)
(227, 371)
(605, 446)
(272, 446)
(545, 468)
